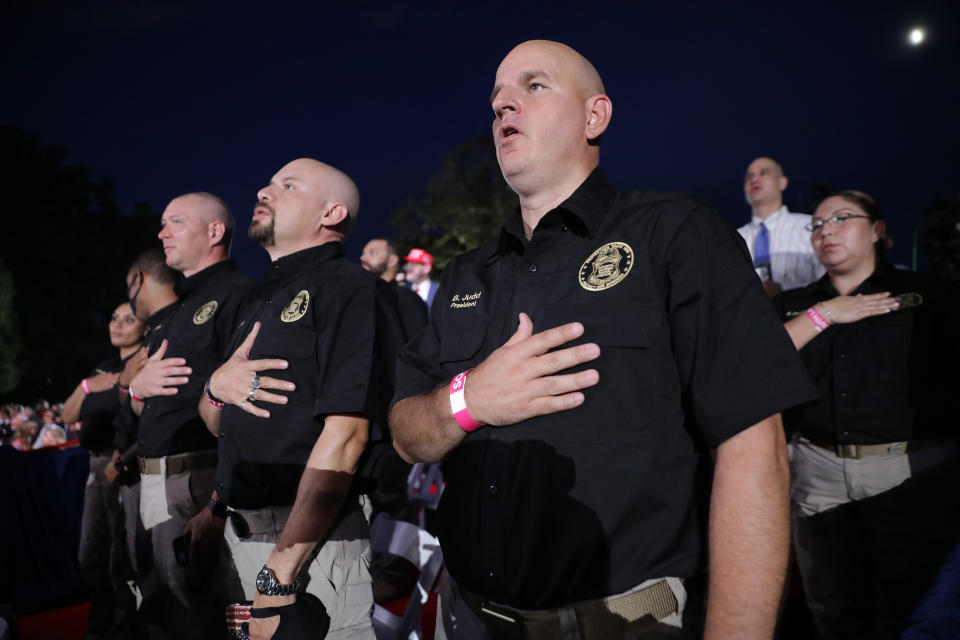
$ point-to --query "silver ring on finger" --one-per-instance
(243, 402)
(253, 390)
(255, 383)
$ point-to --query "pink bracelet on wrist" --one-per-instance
(818, 320)
(134, 396)
(85, 386)
(458, 403)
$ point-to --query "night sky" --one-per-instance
(216, 96)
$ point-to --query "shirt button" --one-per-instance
(491, 575)
(220, 485)
(846, 433)
(532, 268)
(563, 227)
(842, 356)
(493, 489)
(223, 435)
(843, 395)
(269, 300)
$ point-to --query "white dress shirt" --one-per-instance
(792, 260)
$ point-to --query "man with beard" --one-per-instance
(576, 373)
(306, 389)
(380, 257)
(177, 456)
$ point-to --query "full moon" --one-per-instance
(917, 36)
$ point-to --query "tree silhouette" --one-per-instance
(66, 247)
(465, 204)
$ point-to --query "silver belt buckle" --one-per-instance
(847, 450)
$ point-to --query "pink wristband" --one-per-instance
(134, 396)
(85, 386)
(818, 320)
(458, 403)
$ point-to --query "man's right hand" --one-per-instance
(161, 376)
(518, 381)
(110, 471)
(233, 381)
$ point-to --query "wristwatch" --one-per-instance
(268, 585)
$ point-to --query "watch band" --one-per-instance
(268, 585)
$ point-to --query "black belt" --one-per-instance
(595, 618)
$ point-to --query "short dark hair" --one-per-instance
(154, 262)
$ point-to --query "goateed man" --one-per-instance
(177, 454)
(327, 332)
(574, 513)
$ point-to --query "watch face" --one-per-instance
(264, 580)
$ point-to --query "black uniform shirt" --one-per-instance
(593, 501)
(199, 329)
(98, 410)
(337, 326)
(127, 423)
(413, 310)
(886, 378)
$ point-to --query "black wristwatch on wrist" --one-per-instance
(217, 508)
(268, 585)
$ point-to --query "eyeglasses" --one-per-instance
(835, 221)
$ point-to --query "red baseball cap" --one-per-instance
(419, 255)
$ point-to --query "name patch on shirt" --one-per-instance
(606, 266)
(464, 300)
(205, 312)
(297, 307)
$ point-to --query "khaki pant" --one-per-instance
(339, 572)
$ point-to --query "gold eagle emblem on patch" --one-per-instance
(297, 307)
(205, 312)
(606, 266)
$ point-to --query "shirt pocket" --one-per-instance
(293, 342)
(461, 344)
(628, 326)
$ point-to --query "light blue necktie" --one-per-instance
(761, 248)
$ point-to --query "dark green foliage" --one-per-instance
(465, 205)
(9, 334)
(67, 247)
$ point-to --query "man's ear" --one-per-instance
(784, 181)
(215, 232)
(393, 262)
(599, 111)
(334, 215)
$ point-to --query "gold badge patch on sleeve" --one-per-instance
(297, 307)
(205, 312)
(606, 266)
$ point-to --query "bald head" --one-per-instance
(307, 203)
(210, 208)
(581, 70)
(551, 111)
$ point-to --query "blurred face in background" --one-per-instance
(125, 329)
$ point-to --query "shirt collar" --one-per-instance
(199, 279)
(879, 280)
(770, 220)
(296, 263)
(587, 205)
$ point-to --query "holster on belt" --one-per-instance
(595, 619)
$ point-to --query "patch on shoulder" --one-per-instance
(297, 307)
(606, 266)
(205, 312)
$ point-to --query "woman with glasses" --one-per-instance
(873, 461)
